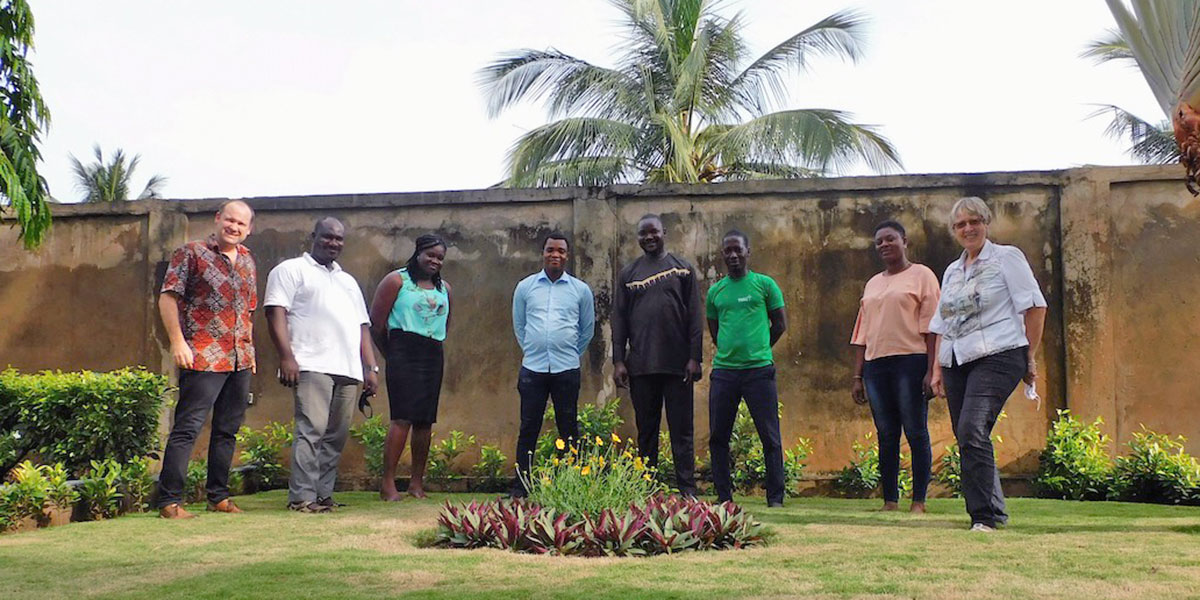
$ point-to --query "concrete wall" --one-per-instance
(1113, 248)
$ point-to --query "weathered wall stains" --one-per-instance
(1113, 248)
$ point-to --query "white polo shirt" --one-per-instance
(325, 314)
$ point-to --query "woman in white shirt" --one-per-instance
(989, 323)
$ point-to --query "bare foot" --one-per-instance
(416, 492)
(390, 495)
(917, 508)
(890, 506)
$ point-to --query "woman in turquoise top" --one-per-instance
(409, 317)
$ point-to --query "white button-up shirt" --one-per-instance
(981, 308)
(325, 314)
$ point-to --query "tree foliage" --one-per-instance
(23, 118)
(1149, 143)
(109, 182)
(683, 104)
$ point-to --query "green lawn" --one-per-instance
(822, 548)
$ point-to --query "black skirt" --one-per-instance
(414, 377)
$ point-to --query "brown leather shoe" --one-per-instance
(225, 506)
(174, 511)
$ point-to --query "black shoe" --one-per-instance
(309, 507)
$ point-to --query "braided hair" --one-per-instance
(423, 243)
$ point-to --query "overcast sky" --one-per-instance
(237, 99)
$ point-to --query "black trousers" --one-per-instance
(975, 394)
(535, 388)
(649, 393)
(757, 387)
(201, 392)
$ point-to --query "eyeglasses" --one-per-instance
(972, 222)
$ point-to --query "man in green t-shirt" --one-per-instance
(745, 318)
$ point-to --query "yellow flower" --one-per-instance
(601, 461)
(646, 476)
(574, 450)
(555, 461)
(585, 471)
(616, 438)
(638, 464)
(626, 455)
(599, 441)
(545, 481)
(570, 460)
(560, 444)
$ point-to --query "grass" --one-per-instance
(822, 548)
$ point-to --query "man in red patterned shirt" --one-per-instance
(207, 301)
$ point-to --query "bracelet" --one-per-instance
(858, 376)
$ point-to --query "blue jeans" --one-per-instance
(894, 387)
(976, 393)
(727, 389)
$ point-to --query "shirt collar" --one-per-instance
(334, 268)
(211, 242)
(984, 254)
(542, 276)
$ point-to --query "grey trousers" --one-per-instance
(975, 394)
(324, 405)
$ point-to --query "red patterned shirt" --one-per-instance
(216, 304)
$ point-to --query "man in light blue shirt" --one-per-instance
(554, 317)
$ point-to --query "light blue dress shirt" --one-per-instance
(553, 321)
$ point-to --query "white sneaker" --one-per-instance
(980, 527)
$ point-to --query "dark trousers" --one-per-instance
(976, 393)
(648, 393)
(534, 388)
(757, 387)
(895, 388)
(201, 392)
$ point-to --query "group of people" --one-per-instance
(970, 341)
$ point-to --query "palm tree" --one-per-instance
(1150, 143)
(23, 116)
(1163, 38)
(102, 182)
(683, 105)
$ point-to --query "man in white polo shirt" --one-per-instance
(319, 324)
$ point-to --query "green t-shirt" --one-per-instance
(740, 307)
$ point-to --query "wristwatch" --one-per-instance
(374, 368)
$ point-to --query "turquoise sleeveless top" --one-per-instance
(420, 311)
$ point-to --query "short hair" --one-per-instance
(971, 205)
(651, 217)
(221, 209)
(556, 235)
(326, 219)
(890, 224)
(737, 234)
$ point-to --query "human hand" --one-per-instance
(182, 355)
(620, 375)
(927, 385)
(371, 383)
(1030, 372)
(289, 371)
(693, 371)
(859, 391)
(936, 385)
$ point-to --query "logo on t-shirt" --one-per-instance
(655, 278)
(745, 299)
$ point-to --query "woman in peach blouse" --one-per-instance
(894, 353)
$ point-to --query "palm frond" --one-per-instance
(1149, 143)
(1158, 33)
(569, 139)
(153, 189)
(1111, 46)
(816, 139)
(530, 75)
(585, 171)
(762, 83)
(768, 170)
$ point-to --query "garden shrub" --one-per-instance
(33, 491)
(1156, 470)
(1075, 465)
(194, 485)
(74, 418)
(100, 489)
(443, 454)
(491, 472)
(593, 475)
(594, 420)
(371, 434)
(660, 525)
(137, 483)
(949, 471)
(263, 449)
(861, 477)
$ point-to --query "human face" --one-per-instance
(554, 255)
(329, 238)
(736, 255)
(891, 246)
(233, 225)
(430, 259)
(970, 231)
(650, 236)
